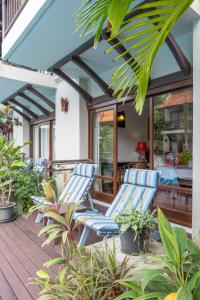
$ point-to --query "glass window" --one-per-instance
(44, 141)
(36, 141)
(53, 140)
(173, 129)
(103, 148)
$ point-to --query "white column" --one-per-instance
(71, 127)
(196, 132)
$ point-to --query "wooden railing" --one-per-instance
(56, 166)
(11, 10)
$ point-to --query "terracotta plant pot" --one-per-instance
(7, 213)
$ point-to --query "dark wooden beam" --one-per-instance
(21, 114)
(78, 51)
(77, 87)
(30, 112)
(180, 57)
(21, 90)
(100, 82)
(41, 96)
(35, 103)
(120, 49)
(176, 50)
(161, 85)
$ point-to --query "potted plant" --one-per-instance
(10, 160)
(178, 274)
(184, 157)
(135, 230)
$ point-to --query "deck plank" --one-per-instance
(37, 256)
(6, 293)
(17, 286)
(18, 268)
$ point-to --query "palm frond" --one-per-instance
(142, 28)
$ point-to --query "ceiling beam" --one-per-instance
(78, 51)
(180, 57)
(21, 90)
(30, 112)
(100, 82)
(176, 50)
(21, 114)
(71, 82)
(35, 103)
(41, 96)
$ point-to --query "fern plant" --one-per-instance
(143, 28)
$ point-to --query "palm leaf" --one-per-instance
(142, 28)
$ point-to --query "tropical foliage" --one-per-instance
(10, 161)
(178, 279)
(142, 28)
(26, 183)
(88, 276)
(6, 120)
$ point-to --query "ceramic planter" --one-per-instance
(130, 245)
(7, 213)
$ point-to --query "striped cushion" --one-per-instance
(130, 196)
(86, 170)
(97, 222)
(140, 177)
(75, 189)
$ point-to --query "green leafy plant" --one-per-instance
(142, 27)
(49, 189)
(26, 183)
(184, 157)
(136, 220)
(177, 278)
(135, 230)
(83, 275)
(10, 160)
(7, 121)
(87, 276)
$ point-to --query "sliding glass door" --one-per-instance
(103, 149)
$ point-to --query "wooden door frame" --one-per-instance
(100, 195)
(47, 122)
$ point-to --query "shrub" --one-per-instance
(25, 185)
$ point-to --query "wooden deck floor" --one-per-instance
(21, 256)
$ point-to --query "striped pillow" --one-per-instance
(86, 170)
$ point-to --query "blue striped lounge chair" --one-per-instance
(77, 188)
(137, 191)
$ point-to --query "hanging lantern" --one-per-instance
(121, 119)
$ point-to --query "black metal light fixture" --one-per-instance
(121, 119)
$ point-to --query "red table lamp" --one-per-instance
(141, 148)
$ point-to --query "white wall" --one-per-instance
(196, 132)
(135, 131)
(71, 127)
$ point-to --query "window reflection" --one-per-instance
(173, 136)
(103, 145)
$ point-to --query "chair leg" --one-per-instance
(91, 203)
(84, 236)
(39, 217)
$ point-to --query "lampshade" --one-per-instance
(141, 147)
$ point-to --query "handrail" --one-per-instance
(11, 9)
(63, 165)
